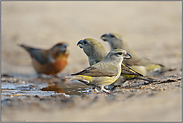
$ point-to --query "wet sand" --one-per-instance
(153, 29)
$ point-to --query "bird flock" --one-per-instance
(110, 70)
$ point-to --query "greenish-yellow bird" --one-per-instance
(105, 72)
(96, 52)
(137, 62)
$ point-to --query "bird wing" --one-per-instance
(131, 74)
(127, 70)
(98, 72)
(42, 56)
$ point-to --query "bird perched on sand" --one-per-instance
(96, 52)
(137, 62)
(104, 72)
(49, 61)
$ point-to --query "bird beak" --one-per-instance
(103, 37)
(127, 56)
(63, 48)
(80, 44)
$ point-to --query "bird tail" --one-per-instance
(157, 69)
(141, 77)
(145, 78)
(165, 69)
(80, 78)
(29, 49)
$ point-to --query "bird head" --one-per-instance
(89, 43)
(110, 36)
(118, 55)
(91, 46)
(59, 49)
(121, 53)
(114, 40)
(62, 47)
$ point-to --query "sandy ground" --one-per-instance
(153, 29)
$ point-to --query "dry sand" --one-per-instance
(153, 29)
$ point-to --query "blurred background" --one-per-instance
(152, 28)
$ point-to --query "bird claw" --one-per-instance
(95, 90)
(104, 90)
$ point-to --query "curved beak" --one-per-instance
(103, 37)
(127, 56)
(63, 48)
(80, 44)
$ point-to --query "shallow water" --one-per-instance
(24, 87)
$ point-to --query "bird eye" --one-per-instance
(84, 42)
(112, 36)
(64, 45)
(119, 53)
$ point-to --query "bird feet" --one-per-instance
(104, 90)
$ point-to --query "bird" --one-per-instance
(96, 52)
(138, 63)
(48, 61)
(104, 72)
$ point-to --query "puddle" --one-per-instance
(69, 89)
(24, 87)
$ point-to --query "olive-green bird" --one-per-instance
(137, 62)
(105, 72)
(96, 52)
